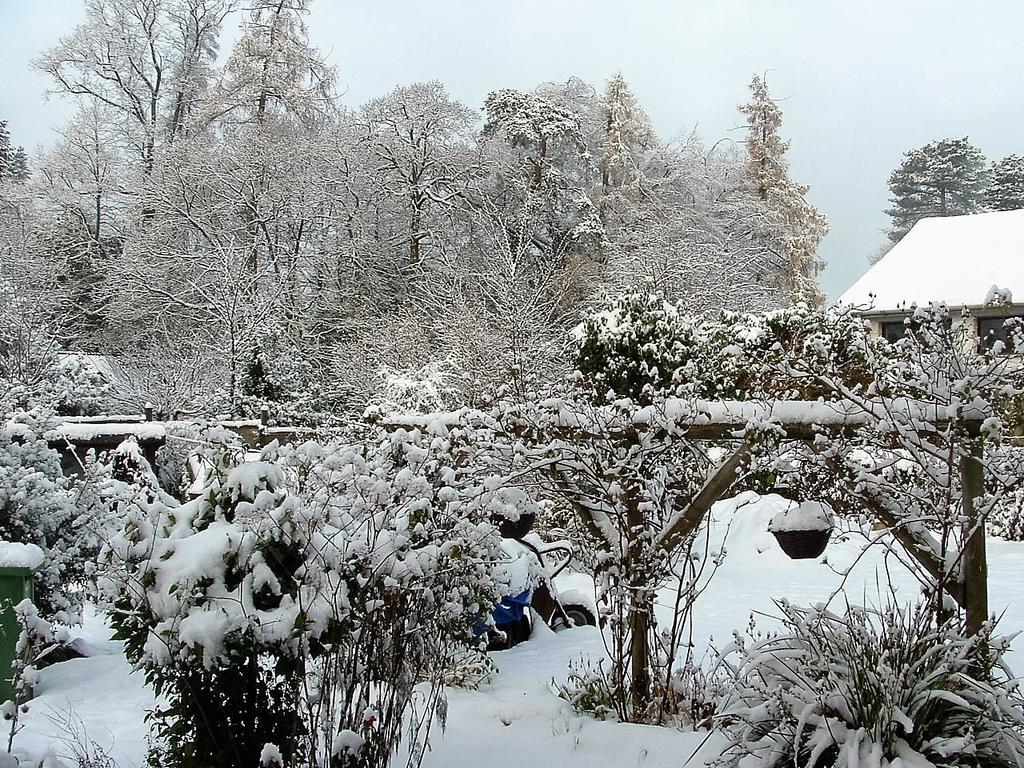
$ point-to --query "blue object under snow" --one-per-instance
(511, 608)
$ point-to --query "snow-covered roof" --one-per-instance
(956, 259)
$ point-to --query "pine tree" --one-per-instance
(6, 151)
(797, 228)
(13, 161)
(1006, 192)
(943, 178)
(17, 168)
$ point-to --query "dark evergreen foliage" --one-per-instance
(947, 177)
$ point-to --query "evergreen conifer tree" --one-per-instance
(17, 168)
(627, 132)
(1006, 192)
(797, 227)
(6, 151)
(13, 160)
(943, 178)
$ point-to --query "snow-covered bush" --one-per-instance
(639, 346)
(34, 373)
(283, 384)
(78, 388)
(38, 506)
(1006, 519)
(589, 689)
(300, 600)
(872, 688)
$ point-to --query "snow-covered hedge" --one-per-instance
(884, 689)
(301, 598)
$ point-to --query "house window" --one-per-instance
(992, 329)
(894, 330)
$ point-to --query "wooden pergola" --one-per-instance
(797, 421)
(745, 423)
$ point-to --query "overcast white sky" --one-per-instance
(859, 81)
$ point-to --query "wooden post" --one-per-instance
(640, 604)
(975, 558)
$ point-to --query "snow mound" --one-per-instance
(740, 524)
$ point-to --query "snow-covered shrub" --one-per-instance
(639, 346)
(78, 388)
(38, 506)
(33, 371)
(280, 382)
(589, 689)
(634, 346)
(687, 698)
(468, 668)
(1006, 519)
(300, 600)
(424, 390)
(871, 688)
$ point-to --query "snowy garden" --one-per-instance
(415, 433)
(762, 539)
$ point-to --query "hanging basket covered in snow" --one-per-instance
(803, 531)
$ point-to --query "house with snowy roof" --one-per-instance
(974, 262)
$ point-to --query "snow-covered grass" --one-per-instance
(517, 719)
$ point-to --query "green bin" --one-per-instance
(15, 586)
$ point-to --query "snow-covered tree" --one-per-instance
(1006, 189)
(947, 177)
(194, 42)
(6, 151)
(547, 134)
(13, 160)
(694, 232)
(798, 227)
(627, 134)
(419, 139)
(119, 56)
(273, 69)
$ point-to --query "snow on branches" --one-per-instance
(339, 575)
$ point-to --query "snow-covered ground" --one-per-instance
(516, 719)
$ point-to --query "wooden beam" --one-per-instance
(713, 490)
(923, 554)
